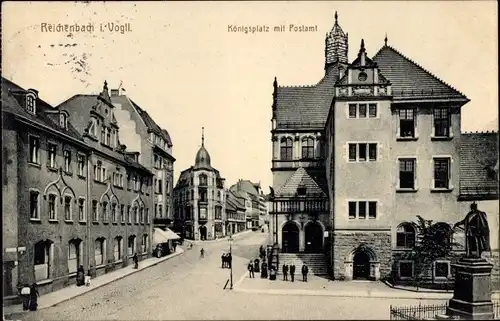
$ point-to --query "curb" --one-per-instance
(92, 288)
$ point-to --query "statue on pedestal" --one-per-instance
(477, 232)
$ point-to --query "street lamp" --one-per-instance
(230, 240)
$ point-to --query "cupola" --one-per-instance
(202, 159)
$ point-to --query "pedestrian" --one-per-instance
(223, 260)
(87, 278)
(305, 270)
(202, 253)
(292, 272)
(250, 270)
(136, 261)
(34, 297)
(25, 295)
(285, 272)
(263, 271)
(80, 276)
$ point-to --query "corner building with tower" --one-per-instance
(359, 155)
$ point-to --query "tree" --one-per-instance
(434, 242)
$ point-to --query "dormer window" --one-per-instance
(63, 121)
(30, 104)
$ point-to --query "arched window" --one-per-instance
(203, 180)
(286, 148)
(43, 252)
(117, 248)
(144, 243)
(131, 245)
(443, 233)
(307, 148)
(52, 208)
(141, 214)
(405, 235)
(100, 251)
(74, 255)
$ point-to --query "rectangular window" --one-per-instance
(362, 110)
(372, 209)
(362, 152)
(34, 203)
(114, 215)
(52, 207)
(352, 210)
(441, 122)
(141, 215)
(352, 110)
(81, 165)
(81, 210)
(406, 269)
(362, 210)
(441, 269)
(129, 215)
(407, 122)
(372, 110)
(136, 214)
(67, 208)
(34, 144)
(156, 210)
(99, 259)
(52, 155)
(372, 152)
(104, 209)
(95, 217)
(407, 173)
(441, 172)
(352, 152)
(67, 161)
(122, 213)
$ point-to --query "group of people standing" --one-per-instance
(291, 269)
(226, 259)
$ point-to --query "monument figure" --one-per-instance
(477, 232)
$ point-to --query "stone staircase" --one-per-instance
(315, 261)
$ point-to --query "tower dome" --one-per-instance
(336, 45)
(202, 159)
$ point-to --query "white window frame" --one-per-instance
(412, 269)
(367, 217)
(52, 161)
(450, 176)
(78, 244)
(378, 147)
(83, 218)
(31, 104)
(45, 267)
(450, 125)
(367, 103)
(36, 153)
(415, 235)
(415, 175)
(54, 219)
(81, 169)
(67, 161)
(441, 278)
(63, 120)
(118, 253)
(70, 219)
(144, 244)
(415, 123)
(38, 205)
(102, 242)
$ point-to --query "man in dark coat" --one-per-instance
(477, 232)
(34, 297)
(136, 261)
(223, 260)
(292, 272)
(285, 272)
(80, 276)
(305, 270)
(251, 274)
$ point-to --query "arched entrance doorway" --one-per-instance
(361, 266)
(203, 233)
(290, 238)
(313, 237)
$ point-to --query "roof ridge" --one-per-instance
(297, 86)
(421, 67)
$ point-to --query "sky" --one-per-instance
(183, 64)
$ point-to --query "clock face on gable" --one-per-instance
(362, 76)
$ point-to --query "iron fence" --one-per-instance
(428, 312)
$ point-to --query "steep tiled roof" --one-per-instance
(301, 178)
(237, 200)
(10, 104)
(478, 158)
(152, 125)
(307, 104)
(410, 79)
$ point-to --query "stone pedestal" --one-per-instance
(472, 296)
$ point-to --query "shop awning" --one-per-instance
(161, 236)
(171, 235)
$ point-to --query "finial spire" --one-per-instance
(385, 39)
(362, 45)
(336, 17)
(203, 136)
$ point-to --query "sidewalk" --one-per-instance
(225, 238)
(318, 286)
(72, 291)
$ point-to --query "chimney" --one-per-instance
(115, 92)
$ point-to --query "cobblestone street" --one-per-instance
(190, 287)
